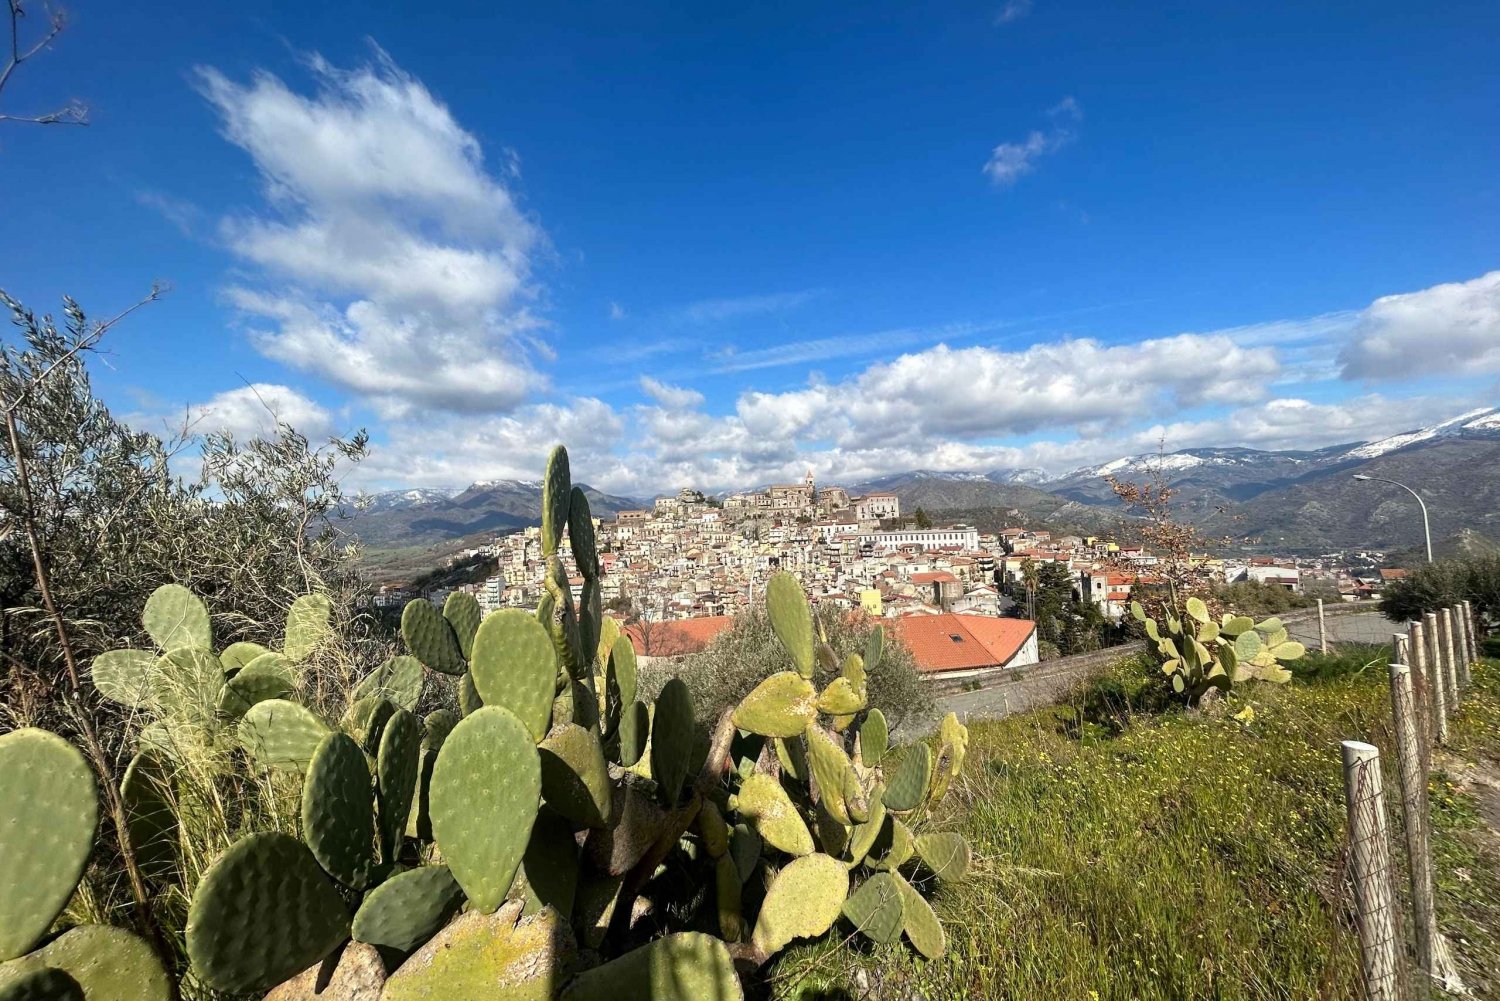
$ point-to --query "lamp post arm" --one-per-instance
(1426, 525)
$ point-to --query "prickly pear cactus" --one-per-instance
(804, 901)
(307, 626)
(431, 638)
(515, 666)
(1200, 654)
(108, 964)
(48, 816)
(687, 966)
(781, 706)
(175, 618)
(408, 909)
(791, 620)
(337, 820)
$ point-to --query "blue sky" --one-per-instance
(716, 246)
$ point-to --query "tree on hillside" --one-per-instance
(1444, 583)
(920, 519)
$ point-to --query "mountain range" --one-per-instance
(1292, 501)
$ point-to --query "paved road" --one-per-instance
(1040, 686)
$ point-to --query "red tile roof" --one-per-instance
(935, 577)
(953, 642)
(678, 637)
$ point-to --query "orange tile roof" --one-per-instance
(677, 637)
(954, 642)
(935, 577)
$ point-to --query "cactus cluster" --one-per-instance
(1200, 654)
(559, 837)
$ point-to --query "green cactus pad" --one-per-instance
(594, 907)
(575, 780)
(269, 676)
(480, 955)
(396, 767)
(906, 789)
(728, 899)
(853, 668)
(638, 822)
(486, 787)
(550, 866)
(469, 701)
(264, 912)
(590, 617)
(436, 726)
(609, 632)
(687, 966)
(307, 626)
(893, 847)
(48, 814)
(953, 747)
(408, 909)
(620, 672)
(430, 637)
(515, 667)
(145, 796)
(945, 853)
(830, 768)
(873, 737)
(338, 822)
(791, 618)
(557, 498)
(108, 964)
(780, 706)
(864, 835)
(186, 683)
(399, 680)
(745, 848)
(713, 829)
(39, 983)
(463, 613)
(922, 927)
(672, 733)
(841, 698)
(581, 534)
(875, 909)
(792, 755)
(365, 721)
(634, 733)
(281, 734)
(240, 654)
(874, 647)
(124, 676)
(174, 617)
(804, 901)
(764, 803)
(833, 837)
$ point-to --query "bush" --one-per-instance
(1437, 585)
(1249, 597)
(747, 652)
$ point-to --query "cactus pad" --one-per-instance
(687, 966)
(550, 866)
(830, 768)
(396, 766)
(791, 619)
(337, 821)
(399, 680)
(945, 853)
(864, 836)
(48, 814)
(764, 803)
(780, 706)
(875, 909)
(581, 534)
(281, 734)
(485, 790)
(874, 647)
(873, 737)
(463, 613)
(185, 684)
(804, 901)
(954, 738)
(40, 983)
(268, 676)
(922, 927)
(469, 701)
(620, 672)
(240, 654)
(365, 721)
(893, 846)
(489, 956)
(575, 780)
(124, 676)
(842, 697)
(634, 733)
(430, 637)
(672, 735)
(515, 667)
(638, 822)
(729, 899)
(408, 909)
(907, 787)
(261, 914)
(174, 617)
(109, 964)
(144, 795)
(307, 626)
(557, 498)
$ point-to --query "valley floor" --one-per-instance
(1165, 855)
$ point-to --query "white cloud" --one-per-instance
(616, 311)
(1013, 10)
(1451, 329)
(387, 259)
(253, 411)
(709, 311)
(1009, 161)
(671, 397)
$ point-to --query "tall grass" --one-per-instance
(1192, 855)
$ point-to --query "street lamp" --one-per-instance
(1426, 526)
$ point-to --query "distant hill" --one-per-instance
(989, 501)
(406, 518)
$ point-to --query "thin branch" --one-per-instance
(75, 113)
(84, 343)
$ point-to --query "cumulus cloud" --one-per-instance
(1451, 329)
(253, 411)
(1013, 10)
(1010, 161)
(671, 397)
(386, 258)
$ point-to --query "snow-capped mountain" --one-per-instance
(1481, 423)
(397, 500)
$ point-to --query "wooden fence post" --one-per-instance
(1322, 629)
(1421, 686)
(1438, 678)
(1474, 633)
(1432, 949)
(1370, 869)
(1461, 640)
(1450, 657)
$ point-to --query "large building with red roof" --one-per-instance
(956, 646)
